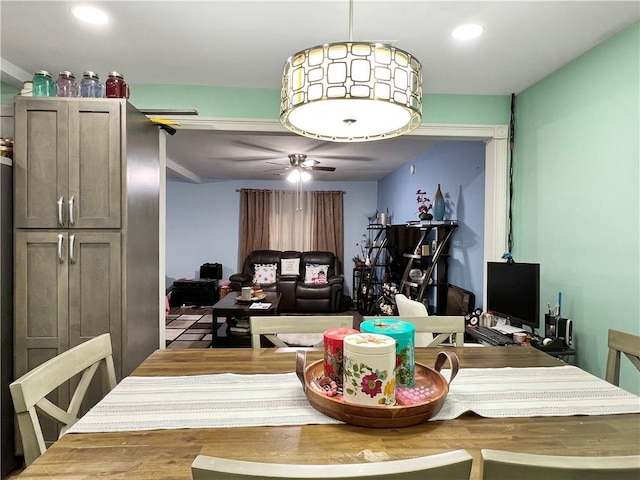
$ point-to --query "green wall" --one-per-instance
(576, 204)
(7, 92)
(265, 104)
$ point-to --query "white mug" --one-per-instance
(245, 294)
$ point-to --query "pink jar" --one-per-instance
(333, 351)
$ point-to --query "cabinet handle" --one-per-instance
(72, 244)
(60, 240)
(72, 220)
(61, 212)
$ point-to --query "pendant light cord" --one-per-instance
(350, 20)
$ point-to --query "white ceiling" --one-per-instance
(245, 44)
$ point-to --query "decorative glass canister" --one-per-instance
(43, 84)
(404, 335)
(334, 352)
(115, 86)
(90, 85)
(66, 84)
(369, 369)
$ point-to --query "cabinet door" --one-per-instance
(95, 285)
(41, 309)
(41, 163)
(94, 196)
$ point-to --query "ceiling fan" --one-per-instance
(300, 167)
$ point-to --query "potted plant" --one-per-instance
(424, 205)
(357, 261)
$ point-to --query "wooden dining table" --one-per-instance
(168, 454)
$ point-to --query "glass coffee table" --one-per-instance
(229, 307)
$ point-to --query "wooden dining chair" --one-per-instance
(444, 326)
(454, 465)
(285, 330)
(29, 391)
(499, 465)
(621, 342)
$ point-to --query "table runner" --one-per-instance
(232, 400)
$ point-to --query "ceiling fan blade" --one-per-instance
(324, 169)
(255, 146)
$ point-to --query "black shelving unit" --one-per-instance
(430, 265)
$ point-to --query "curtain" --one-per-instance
(291, 227)
(272, 220)
(329, 223)
(254, 222)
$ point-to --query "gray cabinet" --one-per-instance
(67, 164)
(67, 291)
(86, 228)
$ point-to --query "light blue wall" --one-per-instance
(577, 207)
(459, 168)
(202, 223)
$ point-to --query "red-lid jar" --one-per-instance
(333, 351)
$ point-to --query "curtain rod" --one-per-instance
(289, 191)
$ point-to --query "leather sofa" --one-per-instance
(298, 296)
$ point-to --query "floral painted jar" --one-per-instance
(333, 352)
(404, 335)
(369, 369)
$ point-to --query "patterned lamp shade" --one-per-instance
(351, 91)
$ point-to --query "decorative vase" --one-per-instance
(438, 208)
(425, 216)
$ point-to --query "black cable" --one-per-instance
(512, 133)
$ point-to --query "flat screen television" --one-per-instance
(513, 292)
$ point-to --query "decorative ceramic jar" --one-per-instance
(404, 335)
(334, 352)
(369, 369)
(438, 205)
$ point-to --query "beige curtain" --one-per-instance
(291, 228)
(271, 220)
(329, 223)
(254, 222)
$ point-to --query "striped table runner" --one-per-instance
(232, 400)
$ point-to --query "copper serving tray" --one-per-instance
(381, 416)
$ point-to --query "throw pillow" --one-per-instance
(316, 274)
(264, 273)
(290, 266)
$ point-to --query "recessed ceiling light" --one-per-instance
(91, 15)
(467, 32)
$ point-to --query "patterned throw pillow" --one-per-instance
(290, 266)
(264, 273)
(316, 274)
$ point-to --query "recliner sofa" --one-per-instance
(301, 293)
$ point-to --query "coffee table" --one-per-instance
(228, 306)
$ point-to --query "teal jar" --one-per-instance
(404, 335)
(43, 84)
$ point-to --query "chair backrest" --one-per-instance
(410, 308)
(425, 327)
(498, 465)
(29, 391)
(454, 465)
(620, 342)
(270, 326)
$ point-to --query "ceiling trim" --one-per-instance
(453, 131)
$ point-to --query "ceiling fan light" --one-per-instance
(351, 91)
(293, 176)
(305, 176)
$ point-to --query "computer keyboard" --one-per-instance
(489, 335)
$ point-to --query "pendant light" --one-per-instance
(351, 91)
